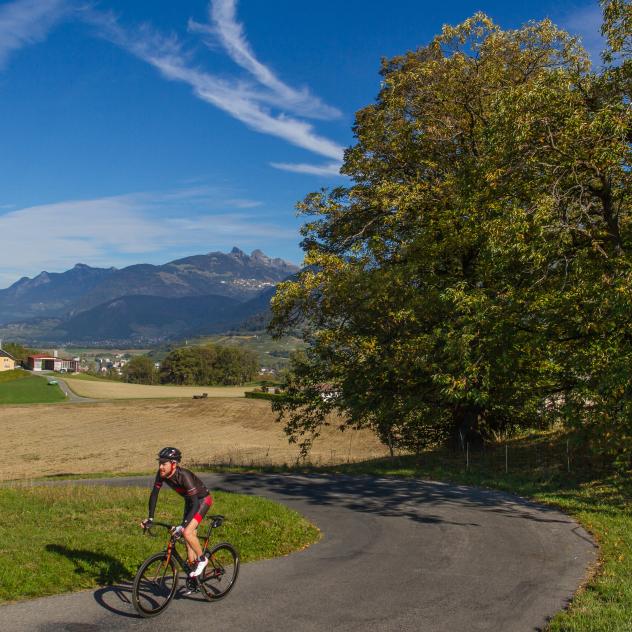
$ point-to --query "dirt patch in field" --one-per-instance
(96, 389)
(44, 439)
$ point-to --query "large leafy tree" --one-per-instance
(476, 269)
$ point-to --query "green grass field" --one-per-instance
(64, 538)
(538, 465)
(29, 390)
(11, 376)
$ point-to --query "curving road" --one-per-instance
(396, 555)
(68, 392)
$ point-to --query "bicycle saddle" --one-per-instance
(217, 521)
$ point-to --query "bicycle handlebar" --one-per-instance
(148, 528)
(216, 522)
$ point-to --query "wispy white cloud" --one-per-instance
(124, 229)
(330, 169)
(586, 21)
(230, 33)
(243, 203)
(25, 22)
(242, 100)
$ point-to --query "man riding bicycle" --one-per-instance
(197, 501)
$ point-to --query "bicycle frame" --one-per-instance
(172, 551)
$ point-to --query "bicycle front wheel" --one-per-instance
(155, 585)
(221, 572)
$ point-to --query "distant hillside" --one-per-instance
(253, 315)
(49, 294)
(52, 295)
(235, 274)
(146, 317)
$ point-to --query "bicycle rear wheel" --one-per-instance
(154, 585)
(220, 574)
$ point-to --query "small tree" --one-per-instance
(140, 370)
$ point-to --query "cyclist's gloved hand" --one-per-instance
(147, 523)
(177, 531)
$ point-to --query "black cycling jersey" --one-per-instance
(189, 486)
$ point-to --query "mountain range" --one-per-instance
(191, 296)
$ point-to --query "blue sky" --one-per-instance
(149, 130)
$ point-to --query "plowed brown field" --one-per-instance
(124, 436)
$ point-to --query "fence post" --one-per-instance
(568, 457)
(506, 459)
(467, 456)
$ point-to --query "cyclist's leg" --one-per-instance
(194, 549)
(192, 555)
(190, 531)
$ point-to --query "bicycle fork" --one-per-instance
(165, 566)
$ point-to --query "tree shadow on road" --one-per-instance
(394, 497)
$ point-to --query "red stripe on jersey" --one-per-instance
(198, 518)
(208, 501)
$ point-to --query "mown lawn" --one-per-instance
(29, 390)
(538, 468)
(15, 374)
(62, 538)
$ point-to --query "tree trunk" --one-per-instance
(465, 418)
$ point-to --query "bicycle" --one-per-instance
(156, 581)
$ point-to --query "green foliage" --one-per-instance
(209, 364)
(259, 395)
(476, 274)
(139, 370)
(18, 351)
(80, 537)
(617, 27)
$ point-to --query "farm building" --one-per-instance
(47, 362)
(7, 361)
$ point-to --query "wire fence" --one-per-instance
(262, 457)
(502, 458)
(539, 456)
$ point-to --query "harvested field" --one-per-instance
(97, 389)
(125, 436)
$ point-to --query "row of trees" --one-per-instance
(200, 365)
(477, 272)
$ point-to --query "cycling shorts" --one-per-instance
(196, 508)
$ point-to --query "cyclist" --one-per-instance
(197, 501)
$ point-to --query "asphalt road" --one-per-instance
(396, 555)
(68, 392)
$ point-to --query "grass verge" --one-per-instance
(14, 374)
(30, 390)
(538, 469)
(73, 537)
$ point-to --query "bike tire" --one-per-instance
(148, 597)
(221, 572)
